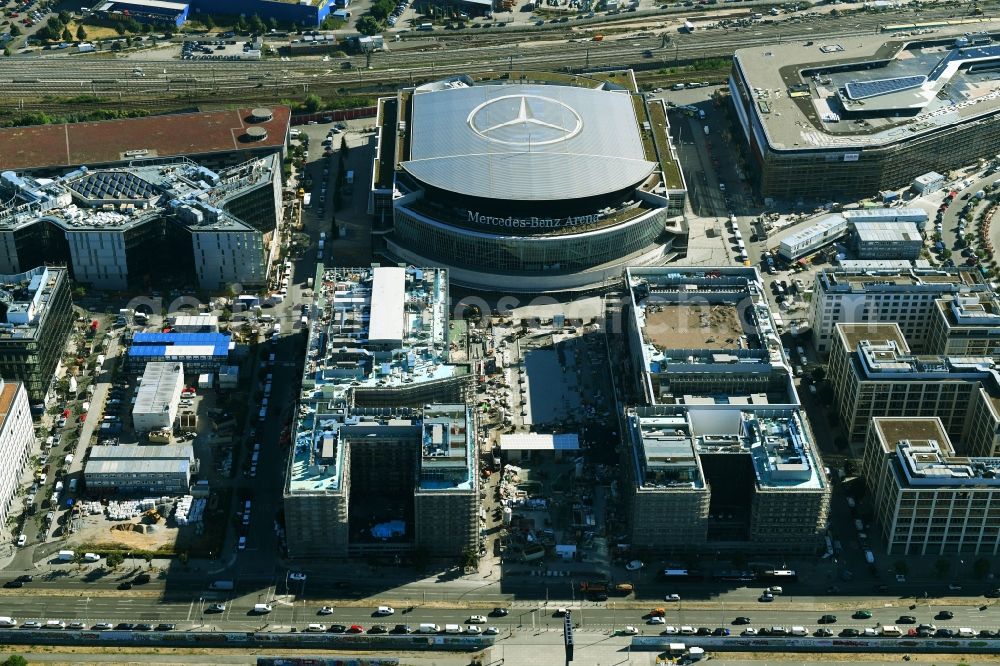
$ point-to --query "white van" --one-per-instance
(798, 631)
(55, 624)
(7, 622)
(966, 632)
(261, 609)
(91, 557)
(452, 628)
(428, 628)
(892, 631)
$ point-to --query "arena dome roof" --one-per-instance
(526, 142)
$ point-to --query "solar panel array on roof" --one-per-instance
(114, 185)
(866, 89)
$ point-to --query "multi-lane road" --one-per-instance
(289, 612)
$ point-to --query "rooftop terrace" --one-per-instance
(699, 315)
(864, 279)
(671, 439)
(862, 91)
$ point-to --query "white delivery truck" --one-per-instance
(428, 628)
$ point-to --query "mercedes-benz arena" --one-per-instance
(526, 184)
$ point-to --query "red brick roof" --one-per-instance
(163, 136)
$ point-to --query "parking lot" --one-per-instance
(227, 47)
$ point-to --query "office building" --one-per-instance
(412, 472)
(158, 397)
(37, 317)
(721, 456)
(133, 469)
(844, 118)
(874, 374)
(887, 240)
(865, 293)
(927, 499)
(527, 182)
(17, 435)
(117, 228)
(966, 326)
(381, 422)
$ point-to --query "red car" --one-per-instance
(356, 629)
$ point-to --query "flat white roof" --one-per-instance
(540, 442)
(161, 383)
(388, 296)
(159, 4)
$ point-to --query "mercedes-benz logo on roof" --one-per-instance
(525, 120)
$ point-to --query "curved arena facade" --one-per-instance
(526, 184)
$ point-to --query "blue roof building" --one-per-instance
(200, 352)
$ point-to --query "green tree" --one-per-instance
(114, 560)
(941, 566)
(67, 36)
(312, 103)
(15, 31)
(981, 567)
(65, 16)
(470, 558)
(946, 253)
(240, 25)
(120, 28)
(81, 32)
(257, 25)
(6, 51)
(208, 21)
(368, 25)
(272, 23)
(15, 660)
(147, 28)
(54, 25)
(381, 9)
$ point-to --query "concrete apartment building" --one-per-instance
(721, 456)
(874, 374)
(866, 294)
(966, 326)
(132, 469)
(382, 422)
(37, 316)
(159, 397)
(928, 500)
(17, 434)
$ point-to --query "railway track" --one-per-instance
(28, 83)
